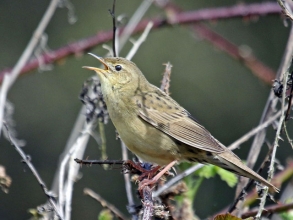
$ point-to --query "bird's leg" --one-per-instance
(149, 173)
(143, 172)
(152, 181)
(130, 165)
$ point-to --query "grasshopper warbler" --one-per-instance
(155, 127)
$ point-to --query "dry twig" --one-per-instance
(26, 159)
(104, 203)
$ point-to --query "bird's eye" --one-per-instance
(118, 67)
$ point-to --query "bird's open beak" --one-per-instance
(98, 70)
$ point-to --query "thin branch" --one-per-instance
(254, 131)
(258, 68)
(279, 179)
(75, 148)
(251, 181)
(285, 9)
(271, 103)
(104, 203)
(139, 41)
(262, 71)
(131, 206)
(114, 28)
(9, 78)
(135, 22)
(277, 138)
(148, 205)
(78, 149)
(237, 11)
(267, 8)
(27, 160)
(100, 162)
(165, 84)
(269, 209)
(103, 143)
(176, 179)
(288, 136)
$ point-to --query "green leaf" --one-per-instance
(287, 215)
(228, 177)
(207, 171)
(105, 214)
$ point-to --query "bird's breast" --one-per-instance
(143, 139)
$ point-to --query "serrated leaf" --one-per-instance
(228, 177)
(207, 171)
(226, 217)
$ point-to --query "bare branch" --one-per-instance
(27, 160)
(114, 28)
(139, 41)
(287, 11)
(254, 131)
(262, 71)
(131, 206)
(251, 181)
(148, 205)
(75, 149)
(277, 137)
(269, 209)
(267, 8)
(240, 10)
(100, 162)
(165, 84)
(9, 78)
(104, 203)
(267, 112)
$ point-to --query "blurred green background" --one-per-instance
(220, 92)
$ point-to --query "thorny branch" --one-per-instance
(276, 144)
(269, 209)
(165, 84)
(185, 19)
(262, 71)
(277, 135)
(270, 106)
(267, 8)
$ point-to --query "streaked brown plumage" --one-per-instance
(155, 127)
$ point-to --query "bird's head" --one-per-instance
(118, 73)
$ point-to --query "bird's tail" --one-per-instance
(231, 162)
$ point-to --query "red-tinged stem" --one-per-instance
(86, 44)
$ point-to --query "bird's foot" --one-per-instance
(143, 170)
(149, 174)
(149, 182)
(146, 182)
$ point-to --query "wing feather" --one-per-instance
(176, 122)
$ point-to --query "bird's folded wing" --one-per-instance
(181, 126)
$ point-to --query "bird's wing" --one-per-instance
(161, 111)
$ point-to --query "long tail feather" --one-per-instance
(232, 163)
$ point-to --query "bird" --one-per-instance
(155, 127)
